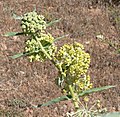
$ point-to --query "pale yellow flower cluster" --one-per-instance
(74, 62)
(33, 47)
(32, 22)
(34, 25)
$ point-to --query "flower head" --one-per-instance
(74, 62)
(33, 47)
(32, 22)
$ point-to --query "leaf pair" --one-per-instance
(23, 53)
(21, 33)
(69, 97)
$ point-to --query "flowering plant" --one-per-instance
(71, 60)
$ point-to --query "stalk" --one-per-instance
(50, 58)
(75, 98)
(44, 51)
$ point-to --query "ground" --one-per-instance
(23, 83)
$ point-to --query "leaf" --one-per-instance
(17, 17)
(113, 114)
(53, 101)
(59, 38)
(93, 90)
(53, 22)
(17, 55)
(68, 97)
(13, 34)
(25, 54)
(21, 55)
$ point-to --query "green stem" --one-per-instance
(49, 57)
(44, 51)
(74, 98)
(74, 95)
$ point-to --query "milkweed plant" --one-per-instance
(71, 60)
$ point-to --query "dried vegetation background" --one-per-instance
(23, 83)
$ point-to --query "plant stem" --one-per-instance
(49, 57)
(44, 51)
(74, 98)
(74, 95)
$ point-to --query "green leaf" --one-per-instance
(13, 34)
(56, 100)
(17, 55)
(59, 38)
(17, 17)
(93, 90)
(113, 114)
(68, 97)
(53, 22)
(25, 54)
(21, 55)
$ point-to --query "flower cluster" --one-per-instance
(74, 62)
(33, 47)
(83, 84)
(32, 22)
(79, 85)
(34, 25)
